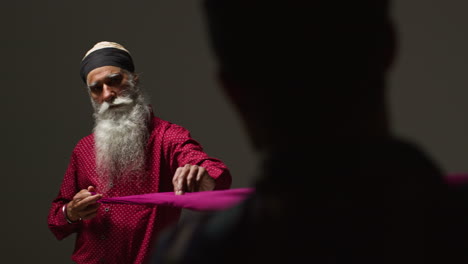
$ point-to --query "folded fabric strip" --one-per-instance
(458, 178)
(198, 201)
(216, 200)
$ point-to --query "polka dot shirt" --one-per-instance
(126, 233)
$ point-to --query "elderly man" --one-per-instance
(130, 152)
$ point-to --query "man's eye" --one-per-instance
(115, 80)
(96, 89)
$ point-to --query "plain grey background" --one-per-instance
(46, 110)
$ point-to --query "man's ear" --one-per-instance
(136, 78)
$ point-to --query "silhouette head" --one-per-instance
(318, 62)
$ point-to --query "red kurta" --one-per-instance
(125, 233)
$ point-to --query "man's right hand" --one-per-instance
(84, 205)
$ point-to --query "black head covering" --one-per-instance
(106, 56)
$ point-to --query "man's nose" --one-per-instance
(108, 93)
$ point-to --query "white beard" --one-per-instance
(120, 134)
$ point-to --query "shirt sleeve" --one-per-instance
(183, 149)
(57, 222)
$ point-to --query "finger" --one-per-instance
(191, 178)
(181, 186)
(91, 199)
(81, 194)
(91, 189)
(175, 180)
(177, 175)
(201, 173)
(200, 177)
(181, 181)
(83, 203)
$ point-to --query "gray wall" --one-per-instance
(46, 109)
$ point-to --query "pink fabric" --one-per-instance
(120, 233)
(198, 201)
(457, 178)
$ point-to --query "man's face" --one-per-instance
(120, 130)
(107, 83)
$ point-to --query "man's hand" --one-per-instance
(84, 205)
(192, 178)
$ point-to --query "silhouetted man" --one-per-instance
(308, 78)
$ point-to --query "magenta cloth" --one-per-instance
(198, 201)
(457, 178)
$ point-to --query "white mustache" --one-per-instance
(117, 102)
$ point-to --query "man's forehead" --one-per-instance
(103, 72)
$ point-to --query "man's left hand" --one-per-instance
(192, 178)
